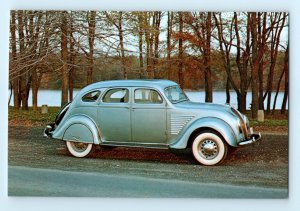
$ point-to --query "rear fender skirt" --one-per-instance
(78, 128)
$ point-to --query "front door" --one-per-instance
(114, 116)
(148, 117)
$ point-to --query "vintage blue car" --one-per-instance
(151, 114)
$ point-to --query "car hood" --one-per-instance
(205, 106)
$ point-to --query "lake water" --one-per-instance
(53, 97)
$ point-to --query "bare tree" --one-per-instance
(180, 51)
(92, 26)
(169, 48)
(124, 44)
(225, 50)
(13, 42)
(117, 20)
(200, 37)
(207, 62)
(286, 81)
(275, 41)
(255, 64)
(156, 25)
(284, 71)
(64, 57)
(24, 72)
(141, 32)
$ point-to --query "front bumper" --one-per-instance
(48, 131)
(252, 139)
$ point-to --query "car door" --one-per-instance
(148, 117)
(114, 115)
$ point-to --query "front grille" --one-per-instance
(243, 123)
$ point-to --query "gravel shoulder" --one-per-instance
(264, 164)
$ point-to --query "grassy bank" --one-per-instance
(31, 118)
(273, 122)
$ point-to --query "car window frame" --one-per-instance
(148, 88)
(115, 103)
(90, 91)
(187, 99)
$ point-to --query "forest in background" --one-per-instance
(242, 51)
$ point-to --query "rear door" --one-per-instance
(114, 115)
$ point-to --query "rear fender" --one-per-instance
(78, 128)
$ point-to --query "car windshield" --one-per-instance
(175, 94)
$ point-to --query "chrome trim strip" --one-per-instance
(178, 122)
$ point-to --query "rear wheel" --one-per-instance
(209, 149)
(79, 149)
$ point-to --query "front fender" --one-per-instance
(208, 122)
(78, 128)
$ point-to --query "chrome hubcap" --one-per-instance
(79, 147)
(208, 149)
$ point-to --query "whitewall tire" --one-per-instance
(209, 149)
(79, 149)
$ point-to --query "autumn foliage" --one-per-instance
(240, 51)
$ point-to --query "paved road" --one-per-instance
(24, 181)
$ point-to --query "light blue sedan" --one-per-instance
(150, 114)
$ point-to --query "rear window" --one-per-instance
(91, 96)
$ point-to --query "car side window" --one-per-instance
(117, 95)
(147, 96)
(91, 96)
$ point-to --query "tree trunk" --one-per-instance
(156, 39)
(23, 85)
(15, 73)
(71, 61)
(149, 43)
(208, 81)
(11, 92)
(260, 86)
(242, 65)
(274, 52)
(286, 79)
(141, 61)
(169, 34)
(35, 88)
(255, 66)
(226, 55)
(180, 52)
(262, 34)
(92, 27)
(277, 90)
(120, 28)
(34, 34)
(227, 91)
(64, 57)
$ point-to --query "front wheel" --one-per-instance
(79, 149)
(209, 149)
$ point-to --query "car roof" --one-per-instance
(157, 83)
